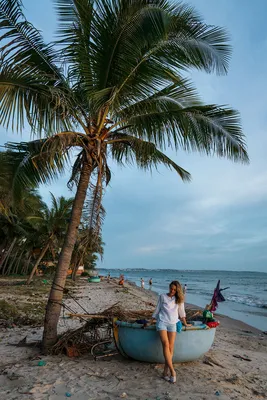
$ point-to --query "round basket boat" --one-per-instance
(143, 344)
(94, 279)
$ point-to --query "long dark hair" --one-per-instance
(179, 295)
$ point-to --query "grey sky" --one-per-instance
(219, 220)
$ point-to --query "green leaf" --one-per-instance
(131, 150)
(34, 163)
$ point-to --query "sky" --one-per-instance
(219, 220)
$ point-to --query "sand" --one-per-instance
(217, 375)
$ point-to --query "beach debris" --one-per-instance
(211, 361)
(13, 376)
(217, 393)
(104, 349)
(245, 358)
(233, 379)
(41, 363)
(148, 303)
(246, 331)
(72, 351)
(36, 357)
(68, 394)
(83, 338)
(123, 395)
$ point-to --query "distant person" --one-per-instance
(150, 283)
(170, 309)
(185, 289)
(142, 283)
(121, 281)
(108, 277)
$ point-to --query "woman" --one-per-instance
(169, 310)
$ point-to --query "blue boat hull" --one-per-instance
(144, 344)
(94, 279)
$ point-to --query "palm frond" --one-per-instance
(27, 95)
(33, 163)
(209, 129)
(131, 150)
(75, 34)
(94, 213)
(23, 45)
(136, 41)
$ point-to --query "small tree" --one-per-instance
(51, 226)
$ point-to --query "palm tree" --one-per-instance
(111, 86)
(17, 237)
(51, 227)
(26, 222)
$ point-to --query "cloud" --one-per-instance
(157, 248)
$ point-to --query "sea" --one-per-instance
(245, 298)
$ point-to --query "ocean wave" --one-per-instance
(235, 298)
(247, 300)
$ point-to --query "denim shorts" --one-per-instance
(162, 326)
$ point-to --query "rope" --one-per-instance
(62, 289)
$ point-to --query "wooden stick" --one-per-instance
(87, 316)
(97, 316)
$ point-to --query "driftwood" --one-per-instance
(245, 358)
(92, 316)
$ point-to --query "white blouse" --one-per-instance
(168, 311)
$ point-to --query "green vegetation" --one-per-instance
(31, 233)
(22, 304)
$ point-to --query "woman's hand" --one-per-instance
(184, 322)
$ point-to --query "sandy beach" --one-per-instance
(217, 374)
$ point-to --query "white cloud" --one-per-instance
(157, 248)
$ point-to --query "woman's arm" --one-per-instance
(157, 309)
(182, 314)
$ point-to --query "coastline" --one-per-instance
(246, 296)
(224, 319)
(83, 378)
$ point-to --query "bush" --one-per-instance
(7, 311)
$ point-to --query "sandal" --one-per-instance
(166, 378)
(173, 379)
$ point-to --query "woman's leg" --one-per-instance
(171, 339)
(166, 351)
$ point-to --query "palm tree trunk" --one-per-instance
(75, 266)
(6, 256)
(38, 262)
(17, 265)
(2, 247)
(11, 263)
(53, 307)
(26, 265)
